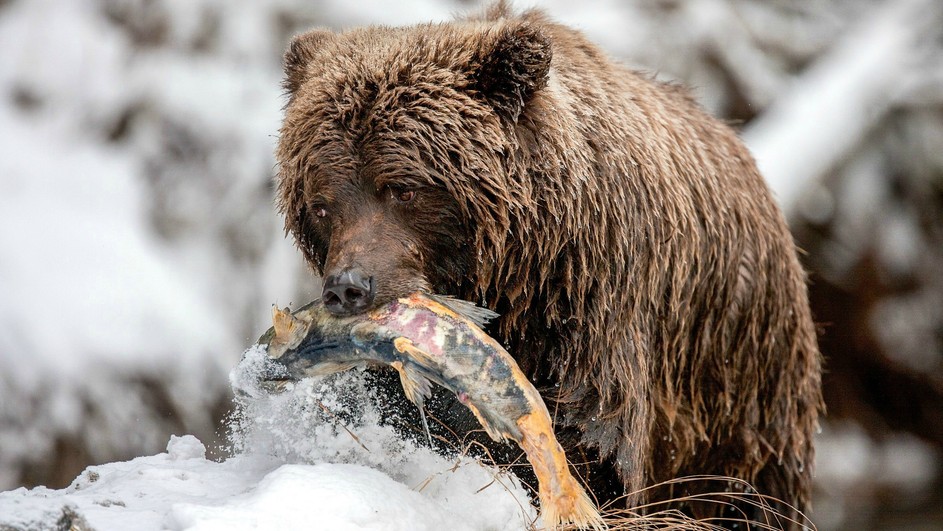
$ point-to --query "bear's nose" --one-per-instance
(348, 292)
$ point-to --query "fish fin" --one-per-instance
(497, 429)
(286, 333)
(469, 310)
(405, 346)
(416, 386)
(284, 323)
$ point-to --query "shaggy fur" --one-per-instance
(644, 275)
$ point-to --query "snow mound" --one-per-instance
(314, 456)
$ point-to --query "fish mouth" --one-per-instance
(297, 364)
(276, 387)
(275, 377)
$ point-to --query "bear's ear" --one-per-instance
(301, 51)
(511, 66)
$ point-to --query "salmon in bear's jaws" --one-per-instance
(429, 338)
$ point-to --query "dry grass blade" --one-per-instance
(339, 422)
(662, 516)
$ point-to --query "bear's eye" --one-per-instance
(320, 212)
(403, 196)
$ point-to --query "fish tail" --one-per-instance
(562, 499)
(573, 507)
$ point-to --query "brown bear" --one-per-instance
(646, 280)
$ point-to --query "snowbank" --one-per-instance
(181, 489)
(296, 463)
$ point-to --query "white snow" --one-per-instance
(90, 298)
(294, 465)
(333, 420)
(836, 102)
(181, 490)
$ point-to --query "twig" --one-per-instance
(341, 424)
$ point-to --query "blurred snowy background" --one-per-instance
(140, 252)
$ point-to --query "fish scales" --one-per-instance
(434, 339)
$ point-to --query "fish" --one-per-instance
(436, 339)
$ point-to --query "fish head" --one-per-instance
(313, 342)
(286, 334)
(287, 331)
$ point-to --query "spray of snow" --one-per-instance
(334, 420)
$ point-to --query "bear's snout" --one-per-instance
(348, 292)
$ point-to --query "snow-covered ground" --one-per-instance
(295, 465)
(181, 489)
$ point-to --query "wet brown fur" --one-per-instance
(626, 236)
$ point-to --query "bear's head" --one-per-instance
(397, 151)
